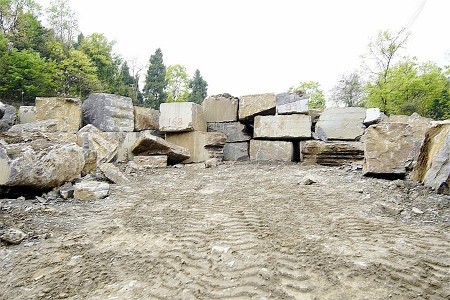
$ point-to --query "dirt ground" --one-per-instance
(237, 231)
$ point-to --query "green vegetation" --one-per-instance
(311, 90)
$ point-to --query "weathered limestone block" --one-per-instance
(282, 127)
(374, 116)
(40, 164)
(155, 161)
(341, 124)
(9, 117)
(90, 161)
(236, 151)
(66, 110)
(433, 165)
(415, 119)
(201, 145)
(149, 145)
(271, 150)
(234, 131)
(91, 190)
(221, 108)
(181, 117)
(27, 114)
(113, 173)
(50, 125)
(252, 105)
(146, 118)
(391, 148)
(331, 154)
(109, 112)
(89, 137)
(291, 103)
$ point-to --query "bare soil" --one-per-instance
(238, 231)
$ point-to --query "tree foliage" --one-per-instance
(177, 83)
(348, 91)
(155, 82)
(63, 21)
(199, 88)
(310, 89)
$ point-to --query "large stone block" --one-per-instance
(149, 145)
(282, 127)
(66, 110)
(341, 124)
(109, 112)
(253, 105)
(234, 131)
(236, 151)
(221, 108)
(50, 125)
(332, 153)
(271, 150)
(202, 145)
(181, 117)
(391, 148)
(8, 118)
(433, 165)
(40, 164)
(146, 118)
(90, 137)
(125, 141)
(291, 103)
(27, 114)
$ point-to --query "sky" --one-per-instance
(246, 47)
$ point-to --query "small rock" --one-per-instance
(308, 181)
(66, 191)
(41, 199)
(231, 264)
(13, 236)
(417, 211)
(211, 163)
(21, 198)
(220, 249)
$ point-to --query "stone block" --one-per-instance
(9, 117)
(50, 125)
(331, 153)
(90, 137)
(201, 145)
(271, 150)
(236, 151)
(155, 161)
(221, 108)
(253, 105)
(113, 173)
(146, 118)
(181, 117)
(291, 103)
(91, 190)
(344, 123)
(66, 110)
(109, 112)
(234, 131)
(374, 116)
(282, 127)
(27, 114)
(125, 141)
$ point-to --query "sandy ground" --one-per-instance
(238, 231)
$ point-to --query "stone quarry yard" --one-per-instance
(242, 230)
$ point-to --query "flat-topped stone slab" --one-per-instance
(181, 117)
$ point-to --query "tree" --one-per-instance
(63, 21)
(10, 11)
(311, 90)
(199, 88)
(348, 91)
(177, 83)
(155, 82)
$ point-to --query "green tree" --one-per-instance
(128, 85)
(155, 82)
(199, 88)
(177, 83)
(310, 89)
(348, 91)
(10, 11)
(63, 21)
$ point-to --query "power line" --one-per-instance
(416, 14)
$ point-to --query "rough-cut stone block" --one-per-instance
(202, 145)
(391, 148)
(9, 117)
(66, 110)
(109, 112)
(146, 118)
(415, 120)
(181, 117)
(89, 137)
(282, 127)
(148, 144)
(156, 161)
(252, 105)
(39, 163)
(91, 190)
(221, 108)
(433, 164)
(341, 124)
(27, 114)
(234, 131)
(291, 103)
(374, 116)
(236, 151)
(113, 173)
(331, 154)
(50, 125)
(125, 141)
(271, 150)
(90, 161)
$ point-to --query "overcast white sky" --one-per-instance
(249, 46)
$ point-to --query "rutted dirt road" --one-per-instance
(238, 231)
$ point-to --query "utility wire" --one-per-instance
(416, 14)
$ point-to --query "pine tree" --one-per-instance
(199, 88)
(155, 82)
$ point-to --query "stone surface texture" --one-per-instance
(91, 190)
(146, 118)
(234, 131)
(236, 151)
(50, 125)
(66, 110)
(181, 117)
(90, 137)
(291, 103)
(221, 108)
(341, 124)
(271, 150)
(155, 161)
(27, 114)
(252, 105)
(9, 117)
(331, 153)
(282, 127)
(374, 116)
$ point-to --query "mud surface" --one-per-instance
(238, 231)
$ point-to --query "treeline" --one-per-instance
(61, 61)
